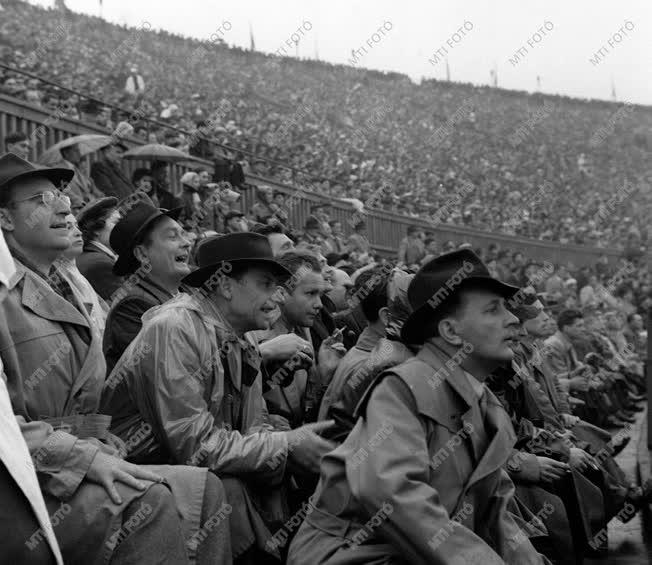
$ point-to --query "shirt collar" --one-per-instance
(476, 385)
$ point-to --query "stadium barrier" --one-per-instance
(385, 229)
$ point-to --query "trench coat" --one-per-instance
(415, 459)
(350, 363)
(55, 371)
(184, 375)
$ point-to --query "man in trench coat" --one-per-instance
(420, 478)
(192, 376)
(108, 510)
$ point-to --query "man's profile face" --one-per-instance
(576, 329)
(33, 224)
(280, 243)
(303, 304)
(539, 327)
(20, 148)
(252, 302)
(487, 325)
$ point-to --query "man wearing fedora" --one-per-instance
(191, 374)
(153, 252)
(420, 478)
(54, 371)
(96, 221)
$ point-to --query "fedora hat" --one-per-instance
(127, 233)
(13, 168)
(244, 248)
(440, 279)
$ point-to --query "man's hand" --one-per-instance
(579, 383)
(106, 470)
(551, 470)
(306, 447)
(284, 347)
(330, 353)
(581, 460)
(569, 420)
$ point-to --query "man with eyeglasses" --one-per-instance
(54, 371)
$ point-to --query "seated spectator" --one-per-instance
(142, 182)
(312, 232)
(23, 511)
(153, 253)
(161, 186)
(235, 222)
(431, 251)
(277, 238)
(96, 221)
(401, 417)
(191, 201)
(78, 461)
(337, 239)
(67, 265)
(190, 366)
(295, 392)
(107, 172)
(81, 189)
(16, 142)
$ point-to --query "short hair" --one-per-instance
(266, 229)
(139, 174)
(15, 137)
(631, 316)
(371, 290)
(413, 229)
(451, 305)
(333, 222)
(429, 240)
(294, 260)
(90, 228)
(568, 317)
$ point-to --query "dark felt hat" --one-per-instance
(13, 168)
(225, 251)
(233, 214)
(438, 281)
(128, 232)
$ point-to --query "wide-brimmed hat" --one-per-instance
(13, 168)
(244, 248)
(96, 209)
(438, 281)
(127, 233)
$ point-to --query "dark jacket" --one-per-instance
(167, 200)
(124, 320)
(111, 179)
(97, 267)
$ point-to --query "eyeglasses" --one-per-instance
(48, 197)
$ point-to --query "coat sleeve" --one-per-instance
(60, 459)
(176, 368)
(395, 476)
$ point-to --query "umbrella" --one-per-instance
(157, 152)
(87, 143)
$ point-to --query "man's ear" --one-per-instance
(224, 287)
(449, 331)
(139, 253)
(384, 315)
(6, 220)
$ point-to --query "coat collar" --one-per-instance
(498, 428)
(157, 291)
(368, 339)
(39, 297)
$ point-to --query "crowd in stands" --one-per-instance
(193, 381)
(547, 167)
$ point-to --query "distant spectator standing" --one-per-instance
(411, 251)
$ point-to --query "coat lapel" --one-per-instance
(38, 297)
